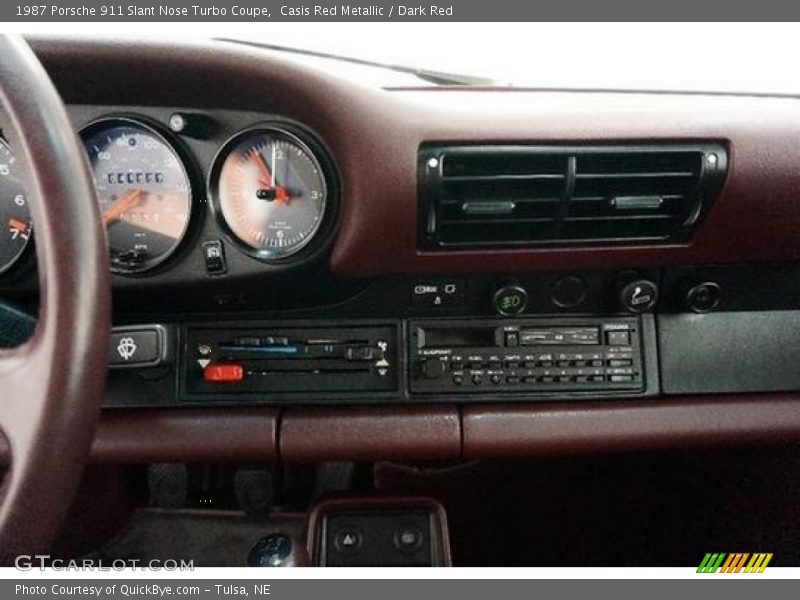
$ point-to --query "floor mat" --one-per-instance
(659, 509)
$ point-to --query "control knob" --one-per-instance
(432, 368)
(638, 295)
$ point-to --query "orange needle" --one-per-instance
(18, 225)
(116, 210)
(265, 177)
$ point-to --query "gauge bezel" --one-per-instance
(184, 160)
(17, 260)
(307, 141)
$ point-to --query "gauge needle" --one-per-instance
(268, 179)
(123, 204)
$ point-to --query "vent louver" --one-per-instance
(484, 196)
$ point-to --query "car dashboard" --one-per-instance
(311, 268)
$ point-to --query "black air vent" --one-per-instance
(479, 196)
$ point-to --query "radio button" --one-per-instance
(620, 378)
(512, 339)
(618, 338)
(529, 380)
(477, 379)
(495, 378)
(620, 362)
(547, 379)
(458, 379)
(512, 379)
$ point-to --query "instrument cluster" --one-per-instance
(270, 185)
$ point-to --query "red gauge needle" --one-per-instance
(123, 204)
(266, 178)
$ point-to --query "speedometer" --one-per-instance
(271, 192)
(15, 217)
(144, 191)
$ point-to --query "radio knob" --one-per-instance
(432, 368)
(638, 296)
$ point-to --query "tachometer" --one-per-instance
(15, 217)
(144, 192)
(270, 191)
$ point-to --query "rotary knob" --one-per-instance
(432, 368)
(638, 296)
(510, 299)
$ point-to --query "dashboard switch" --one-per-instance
(137, 346)
(510, 299)
(638, 296)
(214, 255)
(223, 373)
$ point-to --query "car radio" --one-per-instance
(552, 356)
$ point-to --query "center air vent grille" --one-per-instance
(484, 196)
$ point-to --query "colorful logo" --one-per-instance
(734, 563)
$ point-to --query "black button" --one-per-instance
(496, 378)
(408, 539)
(510, 300)
(547, 379)
(620, 362)
(214, 255)
(618, 338)
(512, 379)
(620, 378)
(347, 541)
(458, 379)
(477, 379)
(529, 379)
(134, 347)
(568, 292)
(512, 338)
(597, 363)
(546, 364)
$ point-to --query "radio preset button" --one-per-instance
(618, 338)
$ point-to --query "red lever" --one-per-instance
(223, 373)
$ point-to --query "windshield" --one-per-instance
(701, 57)
(747, 58)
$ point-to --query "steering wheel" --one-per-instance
(52, 386)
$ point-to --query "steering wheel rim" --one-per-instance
(51, 388)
